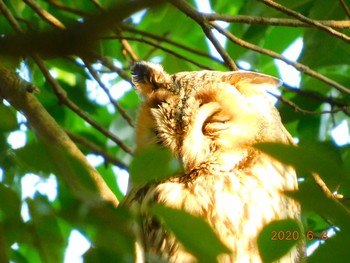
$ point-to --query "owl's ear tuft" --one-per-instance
(148, 76)
(249, 83)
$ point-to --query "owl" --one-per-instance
(210, 121)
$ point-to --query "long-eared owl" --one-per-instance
(210, 121)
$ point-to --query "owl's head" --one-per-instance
(206, 117)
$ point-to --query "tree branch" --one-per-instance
(272, 54)
(109, 64)
(96, 150)
(10, 18)
(15, 91)
(69, 9)
(304, 19)
(271, 21)
(171, 42)
(60, 92)
(97, 78)
(62, 96)
(199, 18)
(316, 96)
(175, 54)
(44, 14)
(128, 49)
(346, 8)
(307, 112)
(78, 39)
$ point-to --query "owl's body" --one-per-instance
(210, 121)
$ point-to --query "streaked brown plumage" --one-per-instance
(210, 120)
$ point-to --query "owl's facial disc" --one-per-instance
(195, 145)
(204, 117)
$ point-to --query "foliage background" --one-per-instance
(73, 51)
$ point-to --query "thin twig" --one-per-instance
(46, 16)
(273, 54)
(128, 49)
(199, 18)
(97, 4)
(271, 21)
(78, 39)
(56, 141)
(62, 96)
(220, 49)
(10, 18)
(106, 62)
(126, 46)
(346, 8)
(154, 49)
(142, 40)
(69, 9)
(96, 149)
(307, 112)
(315, 96)
(318, 180)
(97, 78)
(29, 24)
(307, 20)
(171, 42)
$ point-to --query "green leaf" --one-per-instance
(34, 157)
(314, 223)
(109, 230)
(8, 119)
(335, 249)
(130, 100)
(152, 164)
(75, 173)
(26, 254)
(333, 50)
(10, 210)
(277, 238)
(10, 62)
(49, 240)
(99, 255)
(307, 158)
(312, 198)
(193, 232)
(110, 179)
(223, 7)
(273, 41)
(308, 128)
(11, 224)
